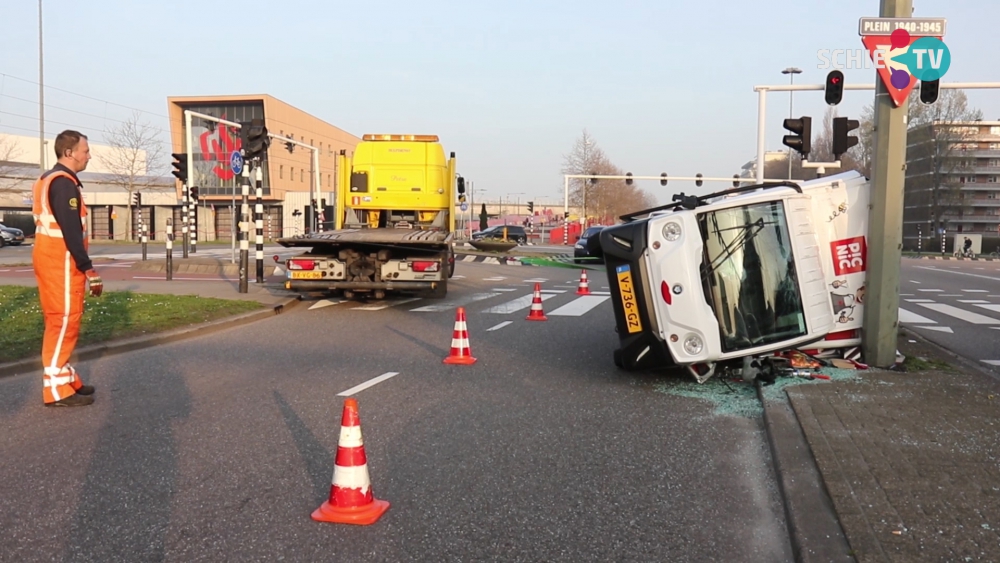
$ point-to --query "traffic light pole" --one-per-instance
(193, 220)
(245, 231)
(258, 212)
(184, 219)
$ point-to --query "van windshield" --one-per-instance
(749, 275)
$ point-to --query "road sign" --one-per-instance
(895, 74)
(465, 206)
(926, 27)
(236, 162)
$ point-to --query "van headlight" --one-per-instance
(672, 231)
(693, 344)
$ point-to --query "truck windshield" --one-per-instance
(749, 276)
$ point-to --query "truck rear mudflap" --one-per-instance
(624, 247)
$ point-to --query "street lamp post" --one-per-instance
(791, 72)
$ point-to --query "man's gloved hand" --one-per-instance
(96, 283)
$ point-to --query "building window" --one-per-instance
(291, 173)
(994, 130)
(281, 172)
(991, 179)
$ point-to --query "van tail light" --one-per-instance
(294, 264)
(422, 266)
(665, 292)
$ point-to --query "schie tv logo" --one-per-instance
(926, 58)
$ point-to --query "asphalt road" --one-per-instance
(955, 303)
(220, 448)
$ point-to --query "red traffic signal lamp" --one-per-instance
(834, 87)
(801, 141)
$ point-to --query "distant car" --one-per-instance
(10, 235)
(588, 249)
(515, 233)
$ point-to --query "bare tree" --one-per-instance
(601, 199)
(10, 178)
(135, 158)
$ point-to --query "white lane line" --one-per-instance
(28, 270)
(972, 301)
(458, 277)
(579, 306)
(494, 279)
(975, 290)
(164, 278)
(4, 270)
(505, 289)
(385, 305)
(995, 308)
(451, 304)
(516, 305)
(325, 303)
(601, 292)
(554, 291)
(368, 384)
(960, 273)
(499, 326)
(910, 317)
(931, 290)
(536, 280)
(915, 281)
(938, 329)
(962, 314)
(991, 362)
(906, 295)
(951, 295)
(919, 300)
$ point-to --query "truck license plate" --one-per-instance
(628, 299)
(306, 275)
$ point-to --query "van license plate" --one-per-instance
(628, 299)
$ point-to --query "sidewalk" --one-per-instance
(911, 461)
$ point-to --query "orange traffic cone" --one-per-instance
(584, 288)
(536, 313)
(461, 353)
(351, 500)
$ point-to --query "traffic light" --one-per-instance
(255, 139)
(193, 193)
(663, 179)
(841, 141)
(180, 166)
(736, 180)
(565, 214)
(802, 140)
(289, 145)
(698, 182)
(628, 181)
(929, 90)
(834, 87)
(531, 207)
(136, 199)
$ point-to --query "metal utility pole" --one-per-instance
(41, 96)
(885, 218)
(791, 72)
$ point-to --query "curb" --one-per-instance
(813, 526)
(961, 360)
(130, 344)
(976, 259)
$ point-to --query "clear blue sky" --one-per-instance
(509, 86)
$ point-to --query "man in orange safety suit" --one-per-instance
(63, 269)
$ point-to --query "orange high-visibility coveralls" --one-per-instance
(61, 290)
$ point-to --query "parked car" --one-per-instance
(515, 233)
(588, 248)
(11, 236)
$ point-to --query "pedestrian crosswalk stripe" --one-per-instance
(975, 291)
(516, 305)
(325, 303)
(920, 301)
(579, 306)
(990, 307)
(992, 362)
(452, 303)
(962, 314)
(499, 326)
(931, 290)
(909, 317)
(938, 329)
(385, 304)
(972, 301)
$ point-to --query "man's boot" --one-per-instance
(75, 400)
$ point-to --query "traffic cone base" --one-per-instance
(537, 313)
(461, 352)
(360, 515)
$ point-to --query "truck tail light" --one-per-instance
(294, 264)
(425, 266)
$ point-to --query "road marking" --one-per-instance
(385, 305)
(915, 281)
(579, 306)
(494, 279)
(960, 273)
(938, 328)
(910, 317)
(991, 362)
(601, 292)
(906, 295)
(554, 291)
(368, 384)
(980, 268)
(951, 295)
(325, 303)
(516, 305)
(972, 301)
(452, 303)
(28, 270)
(975, 290)
(536, 280)
(4, 270)
(182, 279)
(962, 314)
(931, 290)
(458, 277)
(994, 308)
(469, 258)
(499, 326)
(504, 289)
(919, 300)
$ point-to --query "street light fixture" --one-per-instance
(791, 72)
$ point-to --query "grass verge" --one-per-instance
(116, 314)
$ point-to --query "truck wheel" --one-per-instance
(451, 264)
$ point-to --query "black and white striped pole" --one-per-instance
(184, 219)
(193, 218)
(145, 239)
(258, 212)
(170, 249)
(245, 231)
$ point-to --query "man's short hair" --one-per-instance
(67, 141)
